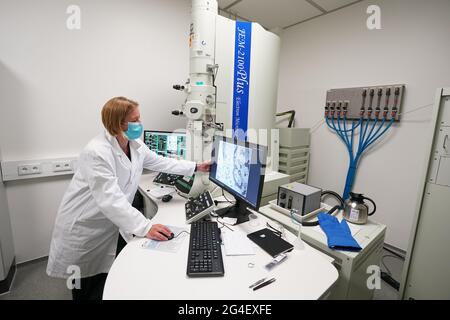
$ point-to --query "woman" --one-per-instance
(97, 203)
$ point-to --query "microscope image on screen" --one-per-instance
(233, 166)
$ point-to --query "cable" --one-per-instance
(378, 130)
(291, 119)
(223, 194)
(365, 141)
(181, 233)
(276, 231)
(214, 190)
(343, 131)
(387, 276)
(373, 140)
(224, 213)
(216, 202)
(321, 122)
(388, 256)
(417, 109)
(390, 281)
(394, 253)
(316, 126)
(384, 265)
(224, 224)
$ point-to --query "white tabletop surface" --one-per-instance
(139, 273)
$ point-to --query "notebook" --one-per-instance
(270, 242)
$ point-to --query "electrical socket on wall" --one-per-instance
(59, 166)
(28, 169)
(38, 168)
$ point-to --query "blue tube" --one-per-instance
(344, 131)
(365, 141)
(373, 140)
(371, 131)
(350, 129)
(363, 136)
(350, 180)
(376, 132)
(353, 134)
(338, 132)
(333, 128)
(346, 142)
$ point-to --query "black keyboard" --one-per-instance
(205, 253)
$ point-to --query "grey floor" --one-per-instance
(32, 283)
(395, 266)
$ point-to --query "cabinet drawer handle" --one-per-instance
(445, 142)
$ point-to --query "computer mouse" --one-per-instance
(167, 198)
(168, 237)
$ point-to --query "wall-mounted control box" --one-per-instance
(375, 102)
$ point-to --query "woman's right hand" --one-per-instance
(159, 232)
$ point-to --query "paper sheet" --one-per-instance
(167, 246)
(236, 243)
(229, 221)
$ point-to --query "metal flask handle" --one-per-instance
(374, 206)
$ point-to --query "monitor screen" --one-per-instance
(166, 144)
(238, 167)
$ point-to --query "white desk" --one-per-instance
(139, 273)
(352, 266)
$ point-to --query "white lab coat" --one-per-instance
(97, 204)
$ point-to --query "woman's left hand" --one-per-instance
(204, 166)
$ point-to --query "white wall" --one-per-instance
(54, 82)
(6, 239)
(336, 51)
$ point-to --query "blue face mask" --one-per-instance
(134, 131)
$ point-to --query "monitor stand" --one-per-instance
(239, 211)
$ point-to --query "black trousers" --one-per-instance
(91, 288)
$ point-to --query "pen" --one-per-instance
(264, 284)
(258, 282)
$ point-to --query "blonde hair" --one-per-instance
(114, 113)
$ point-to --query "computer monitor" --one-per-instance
(166, 143)
(238, 167)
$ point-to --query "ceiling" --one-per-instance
(274, 14)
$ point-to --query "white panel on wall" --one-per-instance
(408, 49)
(7, 252)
